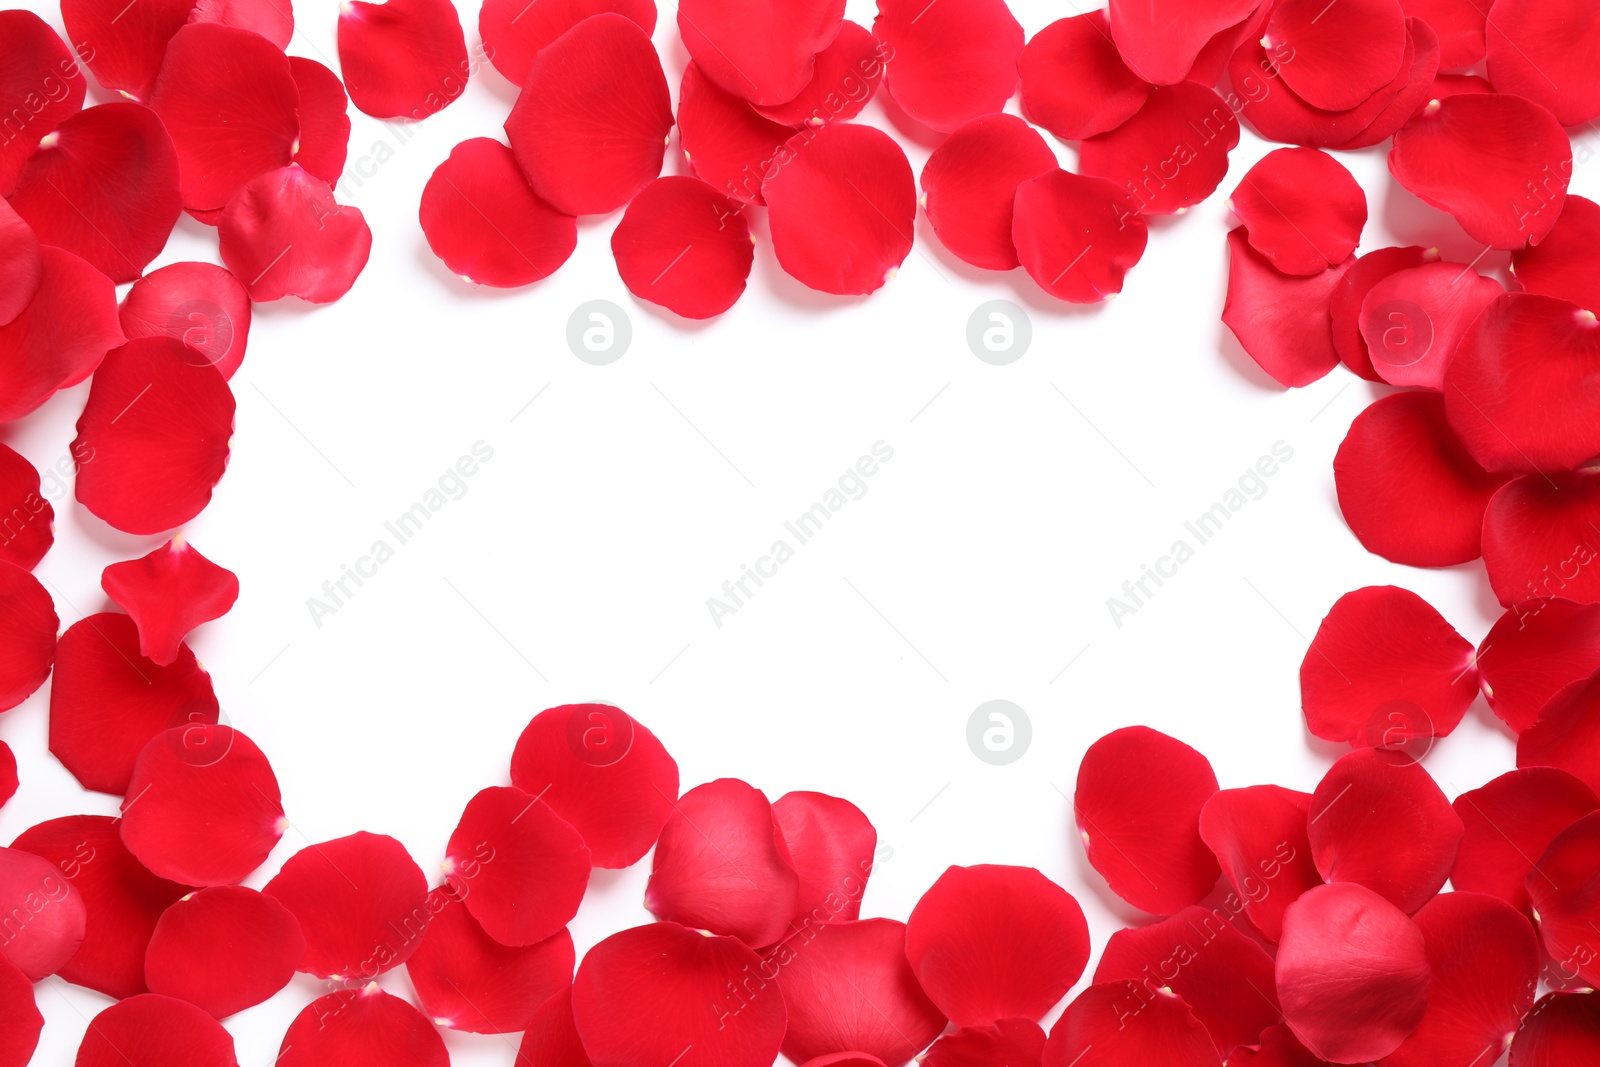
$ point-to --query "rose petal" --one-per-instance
(1460, 25)
(155, 1031)
(1534, 649)
(551, 1039)
(844, 77)
(270, 19)
(949, 62)
(969, 187)
(1562, 265)
(27, 635)
(1366, 272)
(23, 1021)
(1012, 1042)
(1539, 539)
(1160, 39)
(168, 593)
(1413, 320)
(1172, 154)
(519, 868)
(1416, 85)
(324, 119)
(1283, 322)
(1509, 822)
(21, 266)
(762, 52)
(1342, 53)
(1074, 82)
(832, 847)
(224, 949)
(285, 235)
(60, 338)
(8, 774)
(1279, 1048)
(1544, 50)
(1212, 62)
(1563, 1028)
(1564, 890)
(846, 1059)
(727, 143)
(1119, 1024)
(1567, 733)
(1258, 835)
(45, 915)
(1076, 236)
(199, 307)
(362, 1028)
(40, 87)
(1301, 209)
(685, 246)
(514, 31)
(402, 58)
(124, 46)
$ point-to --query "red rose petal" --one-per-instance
(362, 1028)
(846, 1059)
(1172, 154)
(1564, 889)
(108, 701)
(991, 943)
(1413, 320)
(519, 867)
(124, 46)
(969, 187)
(727, 143)
(1258, 835)
(832, 848)
(1353, 973)
(229, 101)
(60, 338)
(271, 20)
(514, 31)
(8, 774)
(482, 219)
(1562, 1029)
(1416, 87)
(685, 246)
(1212, 62)
(1511, 821)
(21, 266)
(721, 866)
(155, 1031)
(199, 307)
(45, 915)
(848, 988)
(1012, 1042)
(1378, 820)
(27, 635)
(845, 76)
(1539, 538)
(1119, 1024)
(402, 58)
(1562, 265)
(168, 593)
(285, 235)
(105, 187)
(659, 992)
(762, 52)
(1408, 487)
(1567, 733)
(123, 900)
(1460, 26)
(1074, 82)
(551, 1039)
(1343, 53)
(224, 949)
(858, 179)
(602, 771)
(1532, 651)
(1076, 236)
(1279, 1048)
(1301, 209)
(40, 87)
(1137, 807)
(1544, 50)
(362, 904)
(1160, 39)
(324, 119)
(1284, 322)
(23, 1021)
(1359, 278)
(949, 62)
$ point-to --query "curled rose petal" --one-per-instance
(763, 52)
(40, 87)
(685, 246)
(728, 144)
(519, 868)
(514, 31)
(1301, 209)
(1161, 40)
(155, 1031)
(832, 848)
(21, 265)
(1534, 649)
(1539, 538)
(657, 992)
(271, 20)
(1564, 889)
(1119, 1024)
(402, 58)
(1511, 821)
(1413, 320)
(858, 179)
(991, 943)
(1359, 278)
(848, 988)
(1074, 82)
(722, 866)
(168, 593)
(199, 307)
(124, 46)
(1567, 733)
(45, 916)
(1352, 972)
(224, 949)
(8, 774)
(845, 76)
(123, 900)
(1378, 820)
(466, 980)
(949, 62)
(1172, 154)
(1343, 53)
(1544, 50)
(1563, 1028)
(324, 119)
(1258, 835)
(602, 771)
(969, 188)
(285, 235)
(362, 1028)
(551, 1038)
(61, 337)
(1137, 807)
(27, 635)
(21, 1012)
(481, 218)
(1012, 1042)
(1562, 265)
(1460, 26)
(590, 127)
(1407, 486)
(1282, 321)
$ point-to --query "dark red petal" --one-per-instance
(1460, 26)
(466, 980)
(1564, 889)
(124, 46)
(1416, 84)
(1539, 538)
(685, 246)
(762, 52)
(168, 593)
(1353, 973)
(159, 429)
(1500, 164)
(1120, 1024)
(104, 187)
(1302, 210)
(514, 31)
(1544, 50)
(482, 219)
(991, 943)
(1413, 320)
(269, 18)
(124, 901)
(155, 1031)
(44, 914)
(362, 1028)
(1407, 486)
(858, 179)
(324, 119)
(1567, 733)
(1172, 154)
(8, 774)
(832, 847)
(520, 868)
(1160, 39)
(285, 235)
(1074, 82)
(949, 62)
(1378, 820)
(1137, 807)
(1562, 1029)
(21, 266)
(224, 949)
(229, 101)
(1279, 1048)
(1258, 835)
(199, 307)
(20, 1037)
(727, 143)
(1011, 1042)
(1533, 650)
(848, 988)
(660, 992)
(602, 771)
(1362, 275)
(551, 1039)
(402, 59)
(845, 76)
(1511, 821)
(108, 701)
(27, 635)
(1343, 53)
(60, 338)
(1562, 265)
(1284, 322)
(362, 904)
(40, 84)
(969, 188)
(722, 866)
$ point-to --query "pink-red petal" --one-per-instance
(1077, 236)
(519, 868)
(1539, 537)
(1562, 265)
(1258, 835)
(1343, 53)
(402, 59)
(1534, 649)
(1567, 733)
(1284, 322)
(514, 31)
(969, 187)
(45, 916)
(28, 625)
(168, 593)
(1460, 26)
(763, 52)
(40, 86)
(1545, 50)
(1362, 275)
(685, 246)
(199, 307)
(1172, 154)
(269, 18)
(727, 143)
(1509, 823)
(1074, 81)
(832, 847)
(1302, 210)
(124, 46)
(362, 1028)
(324, 119)
(1564, 889)
(1011, 1042)
(61, 337)
(1413, 320)
(284, 234)
(481, 218)
(21, 265)
(1121, 1024)
(155, 1031)
(949, 62)
(1161, 39)
(20, 1037)
(844, 77)
(224, 949)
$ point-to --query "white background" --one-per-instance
(620, 498)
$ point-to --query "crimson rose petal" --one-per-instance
(224, 949)
(1562, 1029)
(1544, 50)
(1137, 807)
(324, 119)
(1418, 77)
(27, 635)
(551, 1038)
(1302, 210)
(23, 1021)
(61, 337)
(1172, 154)
(21, 266)
(168, 593)
(40, 80)
(8, 774)
(832, 847)
(1013, 1042)
(1279, 1048)
(1562, 265)
(514, 31)
(1362, 275)
(728, 144)
(1510, 821)
(362, 1028)
(1460, 26)
(1283, 322)
(482, 219)
(199, 307)
(519, 867)
(45, 915)
(1538, 538)
(124, 46)
(1074, 82)
(285, 235)
(685, 246)
(1564, 889)
(1161, 40)
(1533, 650)
(845, 77)
(1567, 733)
(763, 52)
(1413, 320)
(270, 19)
(991, 943)
(1343, 53)
(155, 1031)
(969, 187)
(1258, 835)
(846, 1059)
(402, 58)
(949, 62)
(1121, 1024)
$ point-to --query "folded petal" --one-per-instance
(1534, 649)
(1172, 154)
(168, 593)
(1258, 835)
(949, 62)
(402, 58)
(61, 337)
(285, 235)
(1074, 81)
(1301, 209)
(28, 625)
(155, 1031)
(1284, 322)
(362, 1028)
(481, 218)
(224, 949)
(519, 868)
(199, 307)
(684, 246)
